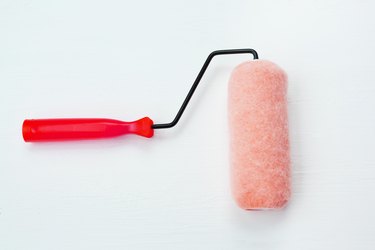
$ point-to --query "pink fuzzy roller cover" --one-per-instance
(258, 121)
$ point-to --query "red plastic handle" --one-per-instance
(38, 130)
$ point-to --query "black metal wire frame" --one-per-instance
(198, 79)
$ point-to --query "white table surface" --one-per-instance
(128, 59)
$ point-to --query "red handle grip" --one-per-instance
(37, 130)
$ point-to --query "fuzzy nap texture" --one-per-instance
(259, 145)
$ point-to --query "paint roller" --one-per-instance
(258, 125)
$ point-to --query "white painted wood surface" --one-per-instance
(128, 59)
